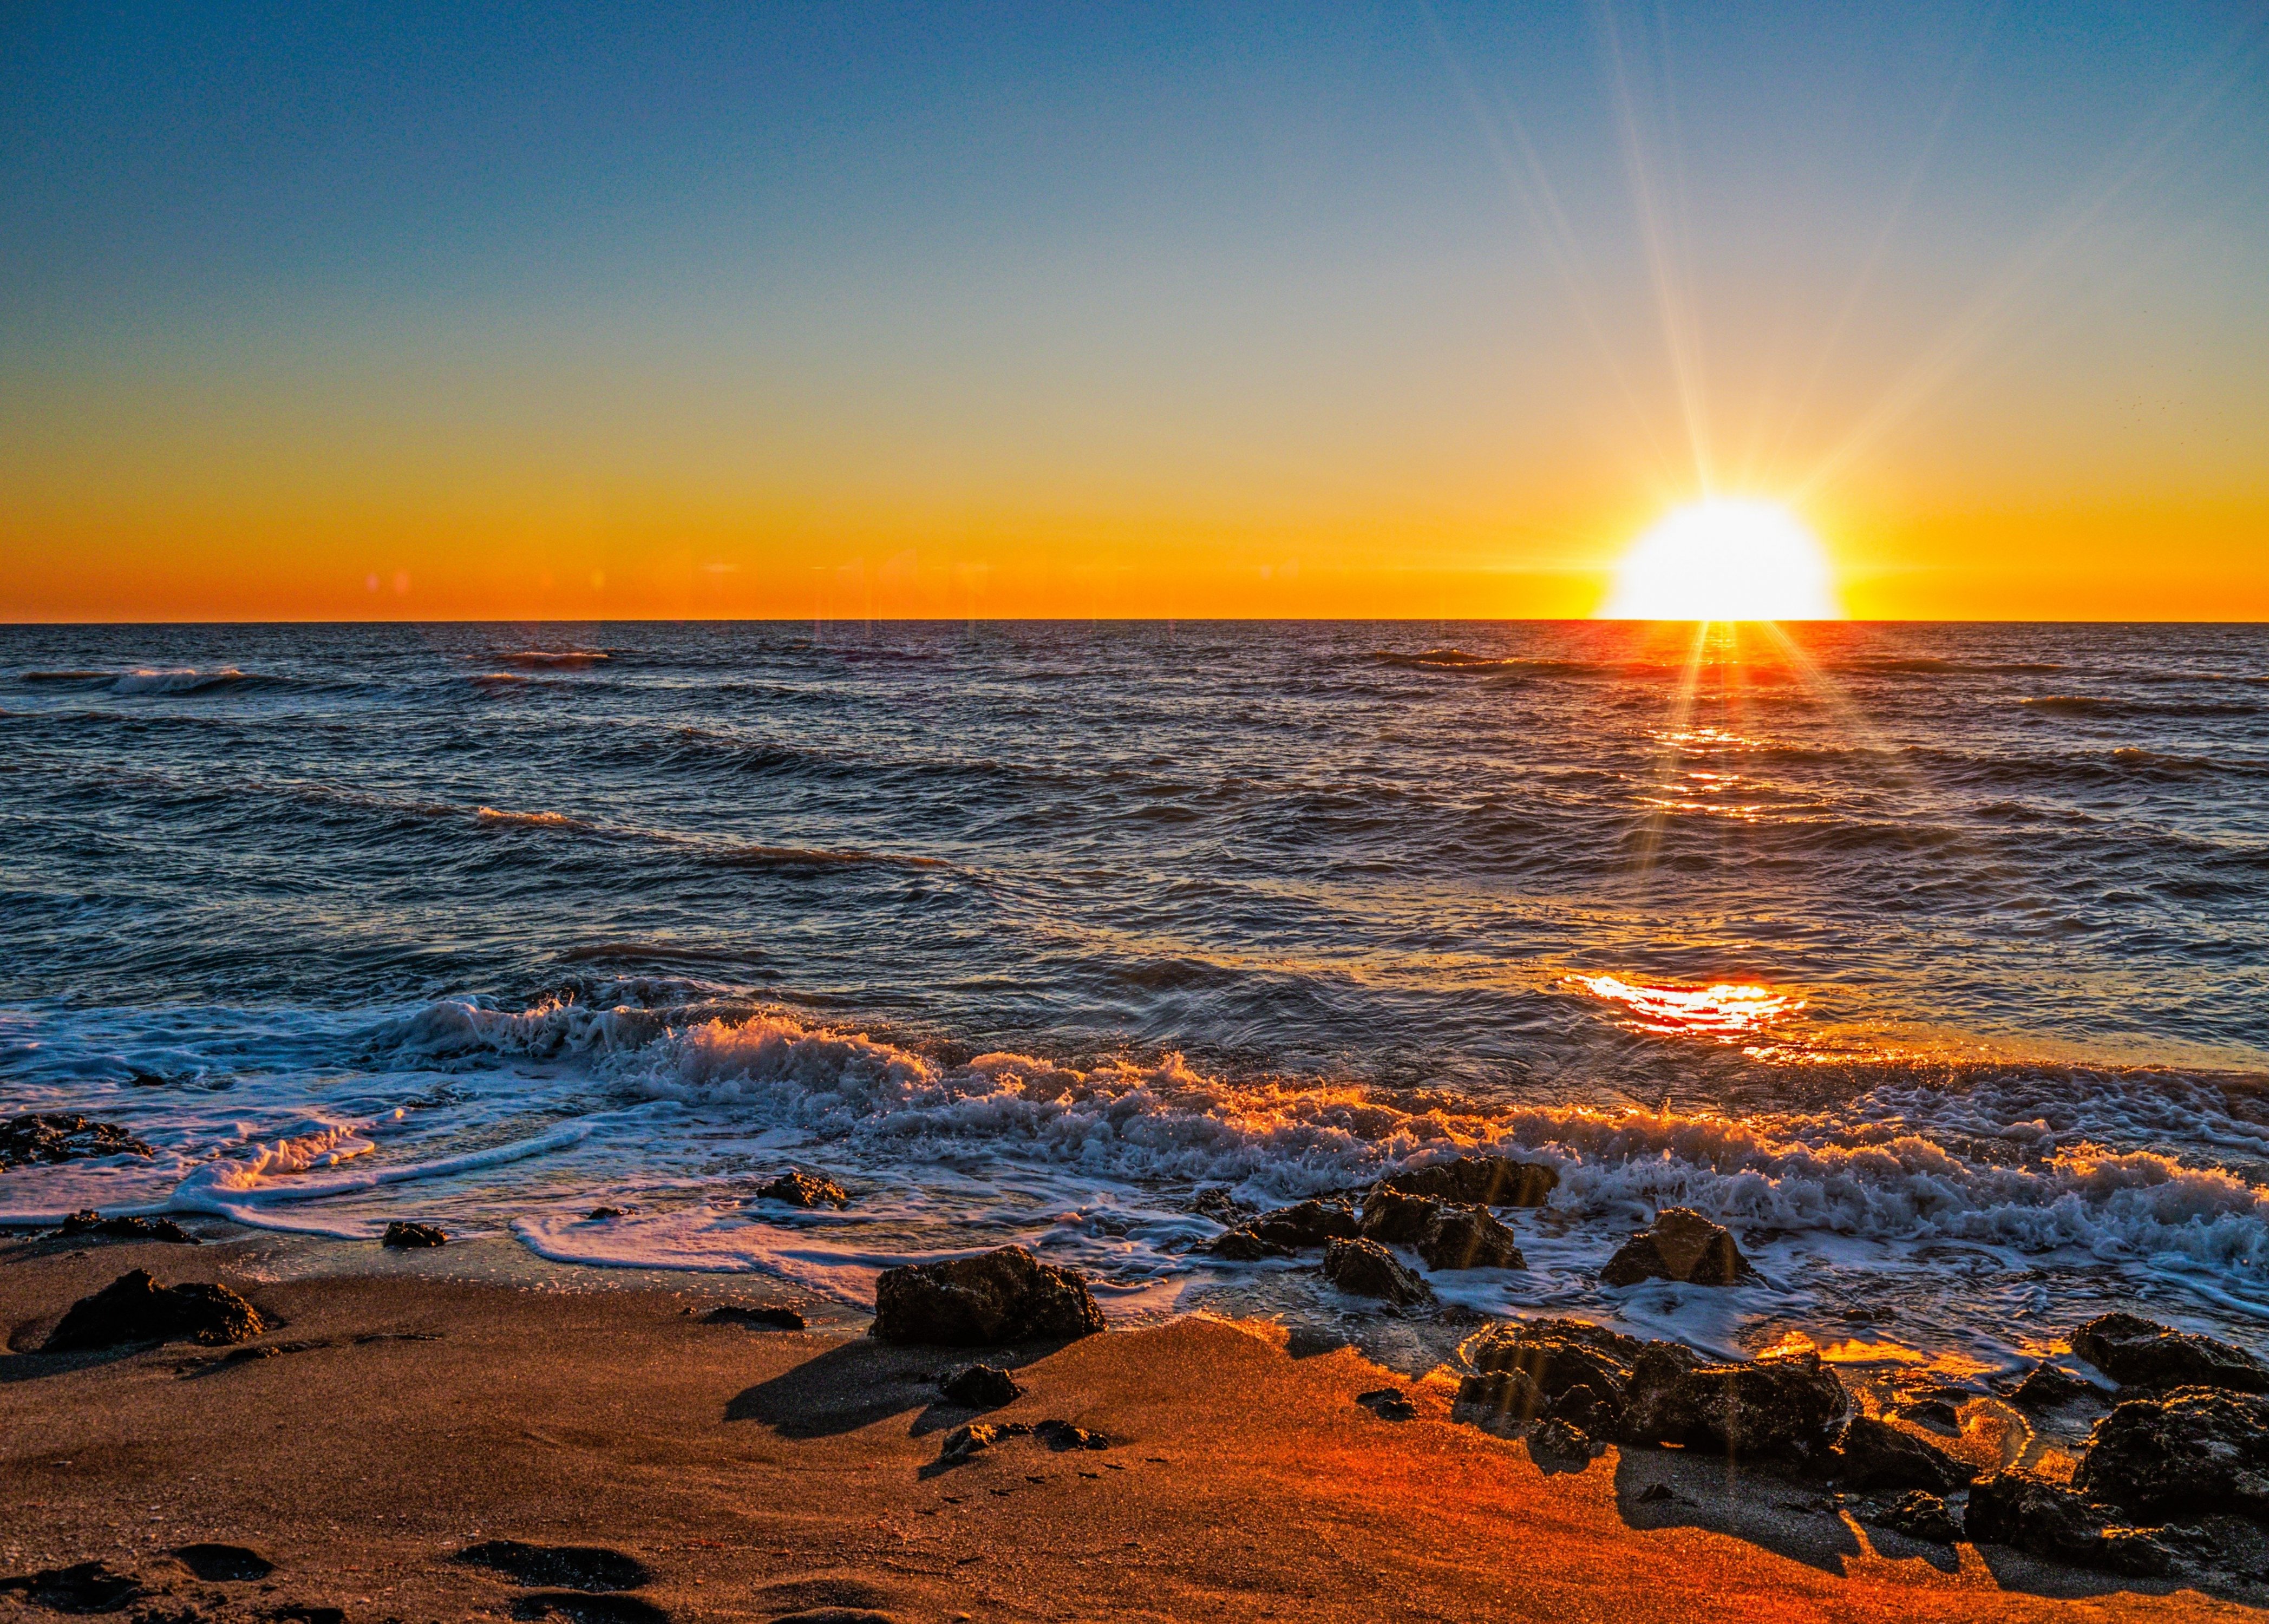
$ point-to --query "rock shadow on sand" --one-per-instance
(1683, 1488)
(860, 1382)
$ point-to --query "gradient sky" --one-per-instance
(1398, 309)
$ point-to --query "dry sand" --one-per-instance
(762, 1473)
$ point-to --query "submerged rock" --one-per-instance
(46, 1136)
(980, 1387)
(1790, 1408)
(1487, 1181)
(2047, 1387)
(92, 1225)
(1288, 1229)
(1682, 1245)
(805, 1190)
(2189, 1452)
(1922, 1515)
(1874, 1454)
(2034, 1514)
(409, 1236)
(135, 1307)
(1369, 1270)
(2136, 1352)
(1468, 1237)
(1007, 1296)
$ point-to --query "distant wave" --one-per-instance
(803, 857)
(554, 659)
(535, 820)
(1460, 659)
(2085, 705)
(181, 680)
(1924, 667)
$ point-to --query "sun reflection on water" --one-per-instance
(1727, 1010)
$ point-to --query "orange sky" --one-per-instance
(1318, 323)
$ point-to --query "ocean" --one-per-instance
(1933, 960)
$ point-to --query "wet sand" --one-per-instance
(408, 1414)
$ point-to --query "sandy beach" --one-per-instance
(399, 1412)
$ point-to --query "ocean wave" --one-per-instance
(535, 820)
(2088, 704)
(150, 681)
(553, 659)
(1890, 666)
(794, 857)
(2038, 1160)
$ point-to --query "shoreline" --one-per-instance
(405, 1414)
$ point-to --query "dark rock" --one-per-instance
(980, 1387)
(569, 1567)
(1556, 1443)
(83, 1587)
(1920, 1516)
(1790, 1408)
(1558, 1355)
(1499, 1399)
(1288, 1229)
(2189, 1452)
(135, 1307)
(806, 1190)
(217, 1564)
(1682, 1245)
(756, 1316)
(1061, 1435)
(1393, 1219)
(2033, 1514)
(599, 1215)
(1218, 1205)
(1468, 1237)
(2139, 1353)
(1388, 1404)
(1006, 1295)
(1588, 1412)
(91, 1225)
(977, 1437)
(1367, 1269)
(582, 1609)
(403, 1236)
(1490, 1181)
(1874, 1454)
(59, 1136)
(2047, 1387)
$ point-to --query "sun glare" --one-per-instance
(1725, 559)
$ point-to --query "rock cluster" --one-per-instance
(2138, 1353)
(409, 1236)
(1007, 1296)
(91, 1225)
(1479, 1181)
(979, 1436)
(1446, 1234)
(757, 1316)
(62, 1136)
(135, 1307)
(805, 1190)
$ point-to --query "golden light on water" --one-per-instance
(1724, 559)
(1728, 1010)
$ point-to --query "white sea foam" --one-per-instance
(183, 680)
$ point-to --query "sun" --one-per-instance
(1725, 559)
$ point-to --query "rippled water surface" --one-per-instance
(1935, 960)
